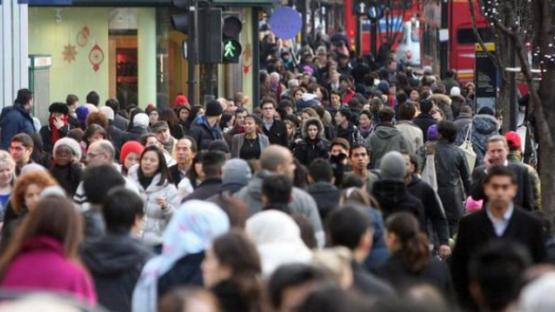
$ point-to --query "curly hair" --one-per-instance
(40, 178)
(97, 118)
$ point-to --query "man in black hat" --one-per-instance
(207, 128)
(58, 125)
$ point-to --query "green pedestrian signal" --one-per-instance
(231, 29)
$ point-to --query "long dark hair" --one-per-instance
(55, 217)
(415, 251)
(168, 115)
(162, 166)
(234, 250)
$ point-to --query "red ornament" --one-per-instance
(96, 57)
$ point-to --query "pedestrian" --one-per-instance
(251, 142)
(160, 199)
(190, 232)
(184, 152)
(116, 258)
(130, 154)
(66, 167)
(138, 128)
(484, 125)
(322, 187)
(7, 179)
(278, 240)
(176, 129)
(206, 128)
(21, 149)
(17, 118)
(345, 128)
(119, 121)
(49, 235)
(58, 125)
(365, 124)
(425, 119)
(276, 193)
(273, 128)
(313, 144)
(212, 164)
(410, 262)
(502, 218)
(230, 270)
(386, 138)
(360, 160)
(162, 131)
(410, 131)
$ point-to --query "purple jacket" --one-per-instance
(41, 265)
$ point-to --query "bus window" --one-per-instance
(466, 35)
(415, 32)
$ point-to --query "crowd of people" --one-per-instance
(352, 185)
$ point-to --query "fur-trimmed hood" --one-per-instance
(304, 128)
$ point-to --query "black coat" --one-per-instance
(204, 134)
(46, 136)
(277, 133)
(433, 208)
(206, 189)
(134, 134)
(231, 300)
(68, 176)
(476, 229)
(121, 122)
(524, 196)
(326, 196)
(435, 273)
(424, 121)
(368, 284)
(175, 175)
(453, 178)
(307, 150)
(115, 263)
(185, 272)
(394, 197)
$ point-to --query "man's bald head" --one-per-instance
(277, 159)
(100, 152)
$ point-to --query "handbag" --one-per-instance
(429, 172)
(468, 150)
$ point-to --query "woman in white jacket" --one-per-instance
(158, 193)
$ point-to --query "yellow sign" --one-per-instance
(490, 46)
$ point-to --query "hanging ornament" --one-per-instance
(69, 53)
(83, 36)
(96, 57)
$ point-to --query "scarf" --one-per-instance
(56, 135)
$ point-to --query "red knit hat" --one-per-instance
(514, 140)
(130, 147)
(181, 100)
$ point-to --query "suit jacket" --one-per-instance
(475, 230)
(524, 197)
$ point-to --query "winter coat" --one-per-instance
(483, 127)
(41, 265)
(435, 273)
(239, 139)
(326, 196)
(203, 133)
(379, 253)
(206, 189)
(156, 217)
(350, 134)
(386, 138)
(453, 178)
(68, 176)
(185, 272)
(46, 136)
(301, 203)
(433, 207)
(115, 262)
(134, 134)
(277, 134)
(231, 300)
(13, 120)
(412, 134)
(393, 197)
(462, 121)
(121, 122)
(424, 121)
(307, 150)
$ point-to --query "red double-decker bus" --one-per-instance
(459, 35)
(390, 27)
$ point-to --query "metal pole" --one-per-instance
(255, 59)
(358, 41)
(513, 109)
(374, 38)
(192, 47)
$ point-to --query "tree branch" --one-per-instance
(494, 58)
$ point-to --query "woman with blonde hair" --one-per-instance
(7, 177)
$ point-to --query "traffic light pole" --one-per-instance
(193, 58)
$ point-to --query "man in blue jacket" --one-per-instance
(17, 118)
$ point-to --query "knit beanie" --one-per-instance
(58, 107)
(108, 112)
(213, 108)
(392, 167)
(130, 147)
(455, 91)
(71, 143)
(141, 120)
(237, 172)
(82, 112)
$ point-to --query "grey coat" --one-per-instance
(239, 139)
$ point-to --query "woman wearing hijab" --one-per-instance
(187, 236)
(278, 240)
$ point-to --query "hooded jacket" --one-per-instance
(307, 150)
(115, 262)
(301, 203)
(14, 120)
(483, 127)
(203, 133)
(412, 134)
(326, 196)
(386, 138)
(156, 217)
